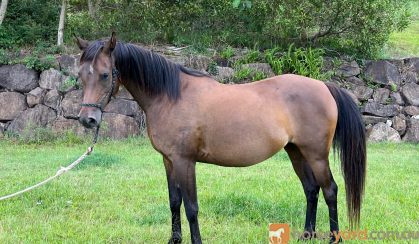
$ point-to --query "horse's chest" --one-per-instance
(171, 138)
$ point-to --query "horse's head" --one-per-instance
(99, 79)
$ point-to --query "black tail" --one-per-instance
(350, 141)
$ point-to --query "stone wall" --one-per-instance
(29, 100)
(387, 92)
(51, 99)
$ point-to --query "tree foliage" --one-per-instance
(352, 26)
(28, 22)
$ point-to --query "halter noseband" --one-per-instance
(115, 75)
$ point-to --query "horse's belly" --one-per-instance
(243, 129)
(237, 159)
(243, 149)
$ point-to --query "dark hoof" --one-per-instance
(197, 241)
(307, 236)
(333, 240)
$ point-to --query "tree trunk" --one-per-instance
(91, 7)
(61, 23)
(3, 8)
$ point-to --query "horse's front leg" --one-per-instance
(175, 199)
(185, 177)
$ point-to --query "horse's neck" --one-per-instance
(143, 100)
(147, 102)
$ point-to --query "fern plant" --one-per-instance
(302, 61)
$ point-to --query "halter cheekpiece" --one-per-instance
(115, 75)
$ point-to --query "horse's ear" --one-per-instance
(81, 43)
(110, 44)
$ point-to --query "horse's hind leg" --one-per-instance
(317, 158)
(175, 199)
(311, 188)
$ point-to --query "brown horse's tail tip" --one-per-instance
(354, 220)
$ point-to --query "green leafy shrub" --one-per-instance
(242, 4)
(4, 56)
(242, 74)
(28, 22)
(393, 87)
(227, 53)
(273, 59)
(68, 83)
(302, 61)
(352, 26)
(39, 64)
(355, 27)
(259, 75)
(306, 62)
(39, 57)
(252, 56)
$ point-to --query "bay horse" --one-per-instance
(193, 118)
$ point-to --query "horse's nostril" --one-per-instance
(91, 121)
(88, 122)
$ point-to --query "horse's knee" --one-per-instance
(312, 193)
(174, 207)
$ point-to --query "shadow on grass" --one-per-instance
(99, 160)
(255, 209)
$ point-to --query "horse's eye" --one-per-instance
(105, 76)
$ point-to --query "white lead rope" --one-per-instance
(61, 171)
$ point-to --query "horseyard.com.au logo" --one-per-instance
(281, 234)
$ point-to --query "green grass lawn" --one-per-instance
(405, 43)
(119, 195)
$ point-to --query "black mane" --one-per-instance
(154, 73)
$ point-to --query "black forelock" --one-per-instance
(154, 73)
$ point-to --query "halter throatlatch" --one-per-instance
(100, 105)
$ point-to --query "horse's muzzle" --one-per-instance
(88, 122)
(89, 117)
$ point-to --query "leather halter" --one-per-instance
(100, 105)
